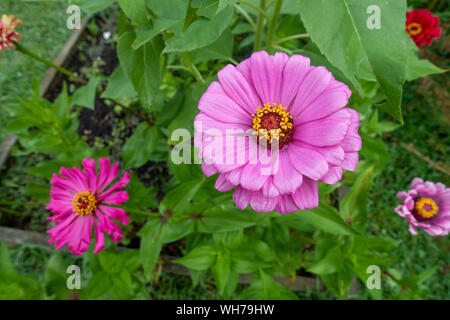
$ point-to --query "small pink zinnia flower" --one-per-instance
(426, 206)
(80, 200)
(422, 26)
(304, 105)
(8, 34)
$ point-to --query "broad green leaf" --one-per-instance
(327, 219)
(85, 96)
(339, 28)
(135, 10)
(222, 48)
(201, 32)
(6, 266)
(55, 277)
(177, 200)
(139, 147)
(144, 66)
(200, 258)
(225, 3)
(355, 202)
(145, 35)
(119, 86)
(416, 67)
(221, 271)
(152, 236)
(330, 264)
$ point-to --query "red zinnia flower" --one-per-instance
(8, 34)
(422, 26)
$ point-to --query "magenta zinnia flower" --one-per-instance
(426, 206)
(8, 34)
(80, 200)
(303, 105)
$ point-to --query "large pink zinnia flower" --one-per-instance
(8, 34)
(426, 206)
(79, 201)
(317, 136)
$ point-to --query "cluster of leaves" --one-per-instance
(169, 51)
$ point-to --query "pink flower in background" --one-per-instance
(8, 34)
(317, 136)
(80, 200)
(426, 206)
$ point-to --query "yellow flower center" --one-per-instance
(426, 207)
(84, 203)
(273, 122)
(414, 28)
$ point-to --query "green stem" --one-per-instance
(293, 37)
(259, 9)
(49, 63)
(246, 15)
(192, 67)
(272, 25)
(259, 26)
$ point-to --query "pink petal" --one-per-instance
(350, 161)
(293, 74)
(286, 204)
(89, 168)
(242, 197)
(237, 88)
(322, 133)
(314, 83)
(115, 213)
(308, 162)
(222, 184)
(307, 196)
(260, 203)
(116, 198)
(333, 176)
(287, 179)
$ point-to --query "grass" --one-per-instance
(44, 30)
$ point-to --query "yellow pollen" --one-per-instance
(84, 203)
(278, 111)
(414, 28)
(426, 207)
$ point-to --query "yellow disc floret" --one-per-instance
(426, 207)
(84, 203)
(414, 28)
(273, 122)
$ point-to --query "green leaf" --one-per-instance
(416, 67)
(85, 96)
(139, 147)
(355, 202)
(222, 48)
(119, 86)
(136, 10)
(339, 28)
(327, 219)
(99, 285)
(145, 35)
(6, 266)
(178, 199)
(144, 66)
(152, 235)
(201, 32)
(225, 3)
(221, 271)
(200, 258)
(330, 264)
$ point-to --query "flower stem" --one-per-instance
(293, 37)
(197, 75)
(49, 63)
(259, 27)
(272, 25)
